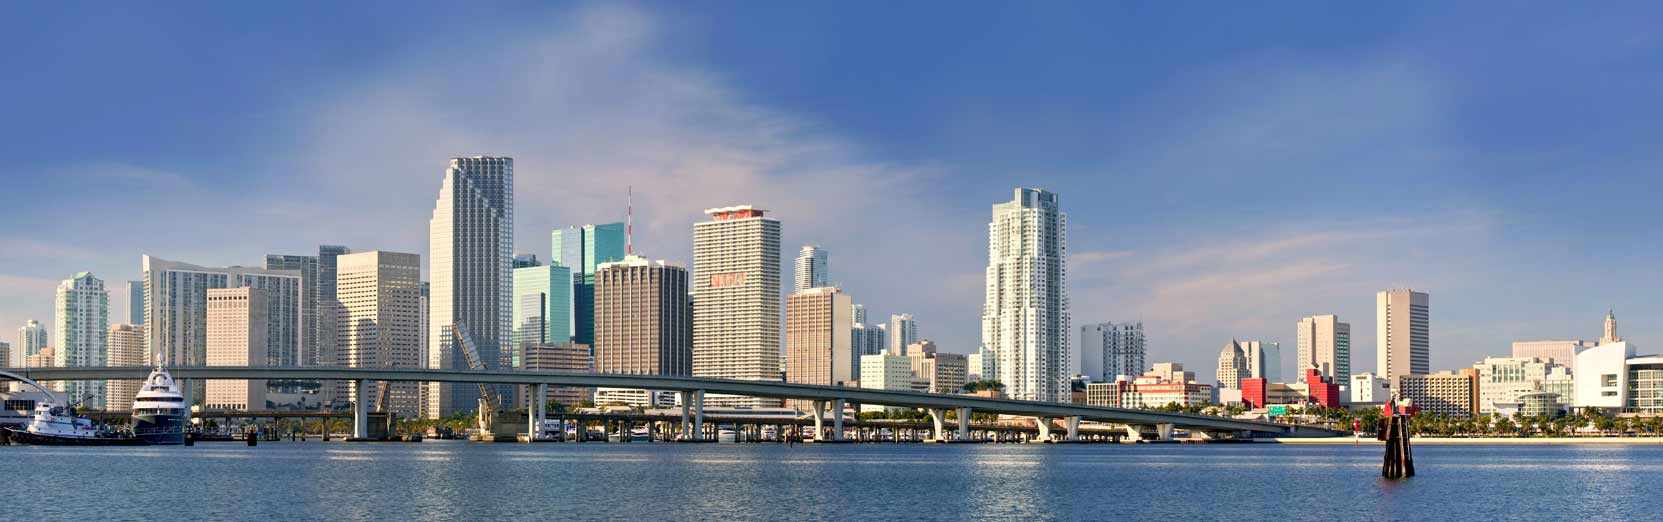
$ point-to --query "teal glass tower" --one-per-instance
(542, 307)
(581, 249)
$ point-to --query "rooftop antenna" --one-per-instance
(629, 222)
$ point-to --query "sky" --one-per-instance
(1226, 169)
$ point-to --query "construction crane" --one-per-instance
(488, 401)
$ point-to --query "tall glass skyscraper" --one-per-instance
(542, 306)
(471, 248)
(135, 302)
(1025, 322)
(811, 268)
(583, 249)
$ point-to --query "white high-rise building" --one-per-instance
(811, 268)
(1402, 334)
(378, 322)
(236, 325)
(1324, 343)
(470, 255)
(1232, 366)
(859, 313)
(902, 332)
(1108, 350)
(31, 338)
(1264, 359)
(83, 329)
(1025, 321)
(736, 299)
(126, 350)
(175, 304)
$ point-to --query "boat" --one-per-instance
(56, 424)
(160, 414)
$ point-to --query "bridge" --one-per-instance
(693, 390)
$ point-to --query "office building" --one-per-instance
(324, 293)
(1232, 366)
(1368, 388)
(83, 328)
(525, 261)
(41, 359)
(973, 367)
(818, 343)
(811, 269)
(884, 372)
(1025, 322)
(31, 338)
(1562, 353)
(736, 299)
(859, 311)
(1264, 358)
(176, 309)
(1324, 343)
(1109, 350)
(135, 302)
(1402, 333)
(1502, 380)
(643, 318)
(561, 357)
(307, 267)
(583, 249)
(542, 306)
(471, 245)
(126, 351)
(378, 322)
(1447, 393)
(236, 326)
(937, 372)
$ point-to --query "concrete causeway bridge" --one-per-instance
(693, 390)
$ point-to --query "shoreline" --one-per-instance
(1458, 441)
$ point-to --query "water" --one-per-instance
(467, 481)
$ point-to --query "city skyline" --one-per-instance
(1187, 272)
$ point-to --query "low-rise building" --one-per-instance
(1447, 393)
(560, 357)
(1368, 388)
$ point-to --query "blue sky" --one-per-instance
(1226, 169)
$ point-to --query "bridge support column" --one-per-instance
(686, 409)
(819, 414)
(360, 410)
(964, 425)
(698, 415)
(1044, 425)
(535, 410)
(1073, 424)
(1163, 432)
(938, 418)
(837, 420)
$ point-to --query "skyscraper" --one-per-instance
(176, 305)
(1025, 322)
(1108, 350)
(736, 298)
(83, 329)
(643, 318)
(126, 350)
(307, 266)
(1232, 366)
(236, 326)
(1324, 343)
(1402, 333)
(471, 246)
(135, 302)
(811, 268)
(583, 249)
(859, 313)
(31, 338)
(818, 342)
(324, 297)
(903, 331)
(1264, 359)
(1610, 335)
(378, 322)
(542, 306)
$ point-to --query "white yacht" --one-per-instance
(159, 410)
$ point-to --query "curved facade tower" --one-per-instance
(471, 250)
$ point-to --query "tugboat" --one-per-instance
(55, 423)
(159, 410)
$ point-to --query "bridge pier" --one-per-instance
(819, 414)
(1073, 424)
(360, 410)
(938, 418)
(837, 420)
(1044, 425)
(536, 411)
(964, 425)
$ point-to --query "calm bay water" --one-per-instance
(458, 480)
